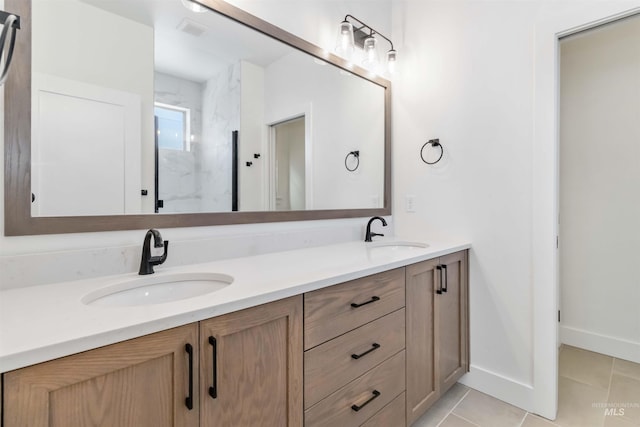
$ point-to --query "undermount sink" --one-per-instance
(157, 289)
(399, 246)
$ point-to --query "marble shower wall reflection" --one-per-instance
(199, 179)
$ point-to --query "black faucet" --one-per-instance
(369, 234)
(148, 261)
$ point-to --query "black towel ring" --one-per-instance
(7, 41)
(433, 143)
(356, 155)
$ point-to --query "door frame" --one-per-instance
(545, 187)
(276, 117)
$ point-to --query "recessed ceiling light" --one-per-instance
(193, 6)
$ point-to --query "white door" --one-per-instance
(289, 167)
(85, 149)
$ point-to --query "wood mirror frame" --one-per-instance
(17, 143)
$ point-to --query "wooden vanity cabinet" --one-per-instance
(251, 367)
(377, 351)
(437, 328)
(145, 382)
(355, 359)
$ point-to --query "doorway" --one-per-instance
(599, 200)
(287, 166)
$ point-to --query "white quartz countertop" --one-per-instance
(41, 323)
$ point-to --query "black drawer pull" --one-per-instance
(213, 390)
(189, 400)
(439, 290)
(446, 284)
(356, 408)
(374, 346)
(373, 299)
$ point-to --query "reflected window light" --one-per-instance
(173, 130)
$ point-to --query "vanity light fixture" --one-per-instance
(193, 6)
(363, 36)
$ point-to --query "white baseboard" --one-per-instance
(503, 388)
(611, 346)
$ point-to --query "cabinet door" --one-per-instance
(452, 320)
(137, 383)
(252, 367)
(422, 386)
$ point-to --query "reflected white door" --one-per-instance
(288, 192)
(85, 149)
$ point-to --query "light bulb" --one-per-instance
(345, 44)
(370, 60)
(391, 61)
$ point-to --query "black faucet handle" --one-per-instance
(157, 240)
(157, 260)
(376, 234)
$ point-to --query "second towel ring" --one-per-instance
(356, 155)
(434, 143)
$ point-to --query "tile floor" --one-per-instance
(594, 391)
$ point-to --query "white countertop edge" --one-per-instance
(33, 354)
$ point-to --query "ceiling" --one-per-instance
(192, 57)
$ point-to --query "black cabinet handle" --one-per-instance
(439, 290)
(446, 285)
(374, 346)
(189, 400)
(356, 408)
(373, 299)
(213, 390)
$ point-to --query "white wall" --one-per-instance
(599, 197)
(72, 256)
(481, 76)
(251, 185)
(356, 122)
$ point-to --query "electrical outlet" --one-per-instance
(410, 203)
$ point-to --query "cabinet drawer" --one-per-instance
(391, 415)
(331, 365)
(368, 393)
(338, 309)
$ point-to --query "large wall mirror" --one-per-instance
(125, 114)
